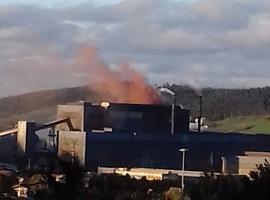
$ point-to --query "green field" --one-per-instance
(250, 124)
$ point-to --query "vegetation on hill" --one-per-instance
(39, 106)
(248, 124)
(218, 104)
(223, 103)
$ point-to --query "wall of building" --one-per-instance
(74, 112)
(7, 148)
(135, 118)
(161, 151)
(72, 144)
(243, 164)
(248, 163)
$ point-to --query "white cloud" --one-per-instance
(203, 42)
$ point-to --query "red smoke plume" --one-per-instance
(123, 85)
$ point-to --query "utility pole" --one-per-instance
(172, 94)
(173, 114)
(200, 114)
(183, 150)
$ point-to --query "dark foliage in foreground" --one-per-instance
(113, 187)
(227, 187)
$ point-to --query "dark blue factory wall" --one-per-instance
(130, 118)
(8, 148)
(161, 150)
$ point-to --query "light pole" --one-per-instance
(170, 92)
(183, 150)
(200, 114)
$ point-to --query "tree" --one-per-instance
(261, 181)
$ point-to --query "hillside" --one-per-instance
(247, 124)
(222, 106)
(223, 103)
(38, 106)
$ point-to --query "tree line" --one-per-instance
(224, 103)
(218, 103)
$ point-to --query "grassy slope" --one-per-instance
(42, 115)
(40, 106)
(249, 124)
(36, 106)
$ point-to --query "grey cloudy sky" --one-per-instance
(204, 43)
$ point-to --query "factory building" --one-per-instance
(114, 135)
(125, 118)
(131, 135)
(115, 128)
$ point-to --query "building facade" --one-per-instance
(130, 135)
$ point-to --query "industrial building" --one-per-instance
(125, 118)
(130, 135)
(114, 135)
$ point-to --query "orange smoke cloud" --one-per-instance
(123, 85)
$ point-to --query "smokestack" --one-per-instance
(200, 114)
